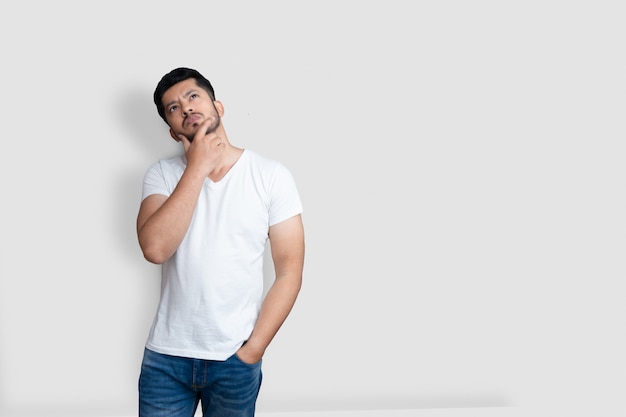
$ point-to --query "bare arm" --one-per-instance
(163, 221)
(287, 245)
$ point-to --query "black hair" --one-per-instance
(174, 77)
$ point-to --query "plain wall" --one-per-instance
(460, 166)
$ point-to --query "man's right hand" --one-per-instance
(205, 151)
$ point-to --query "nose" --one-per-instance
(188, 109)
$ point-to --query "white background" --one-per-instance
(461, 165)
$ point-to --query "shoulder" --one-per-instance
(169, 165)
(256, 158)
(264, 163)
(174, 162)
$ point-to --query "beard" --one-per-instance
(212, 128)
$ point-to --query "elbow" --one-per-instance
(295, 282)
(154, 250)
(157, 260)
(155, 255)
(298, 283)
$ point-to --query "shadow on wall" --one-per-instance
(138, 114)
(148, 135)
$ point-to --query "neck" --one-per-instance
(229, 158)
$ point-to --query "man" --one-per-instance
(206, 216)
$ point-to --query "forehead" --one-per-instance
(180, 89)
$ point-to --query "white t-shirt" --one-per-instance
(212, 287)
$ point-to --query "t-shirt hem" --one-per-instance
(183, 353)
(285, 217)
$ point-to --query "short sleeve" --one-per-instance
(284, 197)
(154, 182)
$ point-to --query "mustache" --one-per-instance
(210, 129)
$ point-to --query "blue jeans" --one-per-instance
(172, 386)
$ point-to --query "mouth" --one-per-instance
(191, 119)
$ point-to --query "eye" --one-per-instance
(172, 109)
(194, 96)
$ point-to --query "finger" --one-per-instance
(184, 140)
(217, 140)
(202, 129)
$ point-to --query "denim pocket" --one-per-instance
(238, 359)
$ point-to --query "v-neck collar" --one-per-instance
(217, 184)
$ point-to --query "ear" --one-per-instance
(220, 107)
(173, 135)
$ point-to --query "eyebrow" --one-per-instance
(189, 92)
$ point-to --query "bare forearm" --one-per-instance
(161, 233)
(276, 307)
(287, 244)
